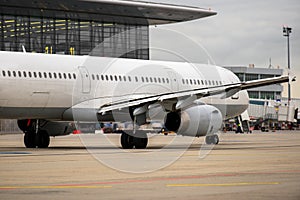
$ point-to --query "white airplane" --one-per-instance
(46, 92)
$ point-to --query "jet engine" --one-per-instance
(195, 121)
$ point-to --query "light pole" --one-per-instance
(286, 33)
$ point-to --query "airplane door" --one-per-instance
(173, 79)
(85, 80)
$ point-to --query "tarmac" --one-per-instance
(241, 166)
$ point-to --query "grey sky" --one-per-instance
(242, 33)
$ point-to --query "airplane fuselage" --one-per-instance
(43, 86)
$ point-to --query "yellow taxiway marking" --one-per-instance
(57, 187)
(221, 184)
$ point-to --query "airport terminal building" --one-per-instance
(79, 27)
(254, 73)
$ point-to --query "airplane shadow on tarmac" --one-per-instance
(15, 151)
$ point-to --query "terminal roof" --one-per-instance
(136, 11)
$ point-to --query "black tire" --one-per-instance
(215, 139)
(43, 139)
(29, 140)
(212, 139)
(140, 143)
(127, 141)
(208, 139)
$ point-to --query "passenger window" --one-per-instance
(106, 76)
(129, 78)
(30, 75)
(3, 73)
(167, 80)
(65, 76)
(34, 74)
(19, 74)
(124, 78)
(163, 80)
(50, 75)
(69, 75)
(116, 78)
(150, 79)
(74, 76)
(24, 74)
(143, 79)
(14, 73)
(45, 74)
(59, 75)
(158, 79)
(136, 79)
(54, 74)
(182, 81)
(154, 79)
(120, 78)
(97, 76)
(198, 82)
(147, 79)
(111, 78)
(93, 76)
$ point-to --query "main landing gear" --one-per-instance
(40, 139)
(34, 136)
(212, 139)
(139, 140)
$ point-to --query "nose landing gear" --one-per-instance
(212, 139)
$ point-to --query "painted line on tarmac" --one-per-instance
(55, 187)
(222, 184)
(14, 152)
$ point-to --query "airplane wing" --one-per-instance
(266, 81)
(257, 83)
(228, 90)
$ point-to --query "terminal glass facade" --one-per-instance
(251, 73)
(74, 36)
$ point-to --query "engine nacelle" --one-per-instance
(52, 128)
(195, 121)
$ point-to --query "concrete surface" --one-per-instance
(244, 166)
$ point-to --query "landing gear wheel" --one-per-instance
(215, 139)
(29, 140)
(207, 140)
(127, 141)
(141, 141)
(43, 139)
(212, 139)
